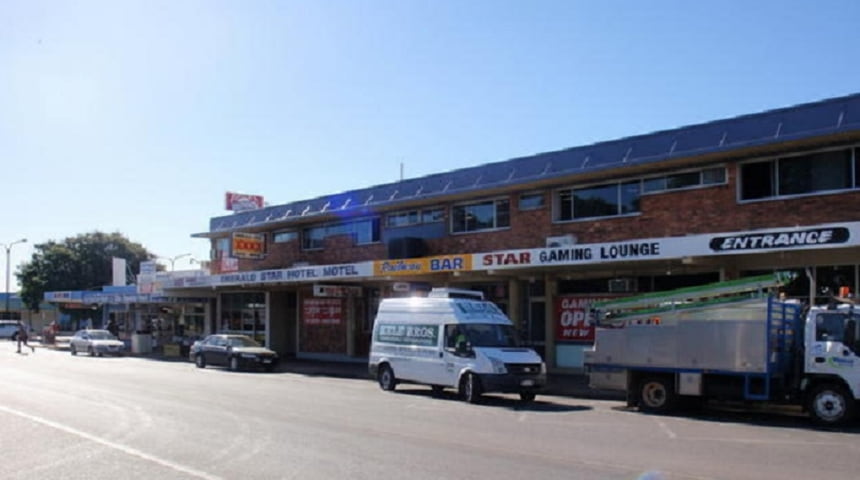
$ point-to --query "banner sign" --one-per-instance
(757, 241)
(240, 202)
(248, 245)
(322, 311)
(573, 323)
(421, 266)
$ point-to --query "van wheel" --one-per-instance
(527, 397)
(470, 388)
(386, 378)
(657, 395)
(830, 405)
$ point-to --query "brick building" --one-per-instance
(545, 234)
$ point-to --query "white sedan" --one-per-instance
(96, 343)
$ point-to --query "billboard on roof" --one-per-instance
(240, 202)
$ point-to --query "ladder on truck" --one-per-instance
(630, 310)
(651, 308)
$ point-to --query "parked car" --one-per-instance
(9, 329)
(96, 343)
(232, 351)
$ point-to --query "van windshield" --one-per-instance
(482, 335)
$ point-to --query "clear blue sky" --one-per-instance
(137, 117)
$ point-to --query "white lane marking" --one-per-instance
(666, 430)
(116, 446)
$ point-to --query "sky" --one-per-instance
(137, 117)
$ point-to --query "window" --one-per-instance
(531, 201)
(286, 236)
(599, 201)
(363, 232)
(691, 179)
(488, 215)
(414, 217)
(826, 171)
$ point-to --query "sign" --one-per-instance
(756, 241)
(573, 322)
(322, 311)
(240, 202)
(780, 240)
(148, 267)
(248, 245)
(407, 334)
(337, 291)
(422, 266)
(229, 264)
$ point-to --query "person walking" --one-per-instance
(23, 336)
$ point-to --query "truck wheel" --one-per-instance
(830, 405)
(656, 395)
(386, 378)
(470, 388)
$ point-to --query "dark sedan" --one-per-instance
(235, 352)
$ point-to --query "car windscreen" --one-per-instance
(242, 342)
(101, 336)
(490, 334)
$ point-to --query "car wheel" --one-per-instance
(527, 397)
(200, 361)
(387, 380)
(269, 368)
(470, 388)
(91, 351)
(234, 363)
(830, 405)
(72, 349)
(657, 395)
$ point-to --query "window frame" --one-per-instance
(522, 208)
(294, 237)
(701, 183)
(773, 162)
(619, 199)
(495, 202)
(347, 227)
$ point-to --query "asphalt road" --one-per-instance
(134, 418)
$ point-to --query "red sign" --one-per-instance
(322, 311)
(573, 322)
(240, 202)
(248, 245)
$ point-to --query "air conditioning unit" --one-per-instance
(622, 285)
(560, 241)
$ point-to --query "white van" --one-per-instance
(452, 339)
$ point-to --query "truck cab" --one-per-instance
(832, 360)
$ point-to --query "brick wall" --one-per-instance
(705, 210)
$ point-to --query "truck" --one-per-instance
(456, 339)
(735, 341)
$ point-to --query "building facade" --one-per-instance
(545, 235)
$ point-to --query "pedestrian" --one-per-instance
(23, 336)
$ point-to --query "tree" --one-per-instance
(83, 262)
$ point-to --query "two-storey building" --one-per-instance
(544, 235)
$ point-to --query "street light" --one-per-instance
(8, 247)
(174, 259)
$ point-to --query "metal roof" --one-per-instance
(806, 121)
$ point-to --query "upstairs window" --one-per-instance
(363, 231)
(474, 217)
(285, 236)
(806, 174)
(608, 200)
(682, 180)
(415, 217)
(531, 201)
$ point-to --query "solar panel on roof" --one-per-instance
(810, 120)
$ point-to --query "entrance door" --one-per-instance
(534, 335)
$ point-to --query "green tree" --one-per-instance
(83, 262)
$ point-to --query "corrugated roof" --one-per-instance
(826, 117)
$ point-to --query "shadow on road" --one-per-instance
(779, 417)
(540, 404)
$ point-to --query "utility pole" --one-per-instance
(8, 247)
